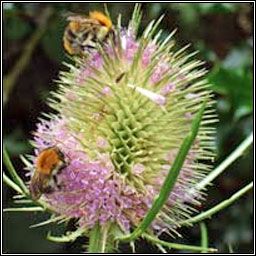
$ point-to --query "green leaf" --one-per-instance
(236, 85)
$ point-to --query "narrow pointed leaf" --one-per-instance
(170, 179)
(10, 183)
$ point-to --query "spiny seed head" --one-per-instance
(123, 112)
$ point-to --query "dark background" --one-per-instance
(223, 32)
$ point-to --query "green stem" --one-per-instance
(69, 237)
(10, 183)
(95, 240)
(204, 237)
(177, 246)
(230, 248)
(24, 209)
(59, 218)
(170, 179)
(228, 161)
(218, 207)
(13, 172)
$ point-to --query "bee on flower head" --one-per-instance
(49, 162)
(84, 32)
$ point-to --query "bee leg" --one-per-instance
(119, 78)
(57, 182)
(49, 190)
(35, 191)
(50, 187)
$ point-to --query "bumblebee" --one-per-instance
(48, 164)
(83, 32)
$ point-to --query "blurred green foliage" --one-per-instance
(223, 32)
(236, 85)
(17, 28)
(53, 39)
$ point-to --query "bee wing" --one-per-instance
(40, 183)
(68, 14)
(77, 17)
(34, 187)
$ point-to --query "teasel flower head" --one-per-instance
(122, 114)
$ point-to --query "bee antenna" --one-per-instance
(66, 14)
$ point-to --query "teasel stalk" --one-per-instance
(134, 122)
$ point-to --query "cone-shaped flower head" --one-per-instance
(123, 112)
